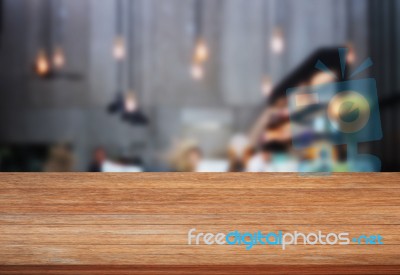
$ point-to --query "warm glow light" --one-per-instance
(277, 43)
(42, 63)
(119, 48)
(351, 54)
(197, 71)
(59, 58)
(201, 51)
(266, 86)
(130, 102)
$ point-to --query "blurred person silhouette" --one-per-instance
(282, 159)
(60, 159)
(260, 161)
(239, 152)
(185, 157)
(274, 156)
(98, 158)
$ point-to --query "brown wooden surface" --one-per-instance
(138, 223)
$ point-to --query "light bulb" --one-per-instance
(351, 54)
(197, 71)
(59, 58)
(42, 63)
(119, 48)
(201, 51)
(277, 43)
(266, 86)
(130, 103)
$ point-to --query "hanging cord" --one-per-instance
(198, 11)
(130, 46)
(61, 14)
(264, 37)
(119, 31)
(55, 33)
(45, 33)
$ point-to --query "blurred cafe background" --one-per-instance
(184, 85)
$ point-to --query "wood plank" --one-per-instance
(199, 180)
(336, 216)
(183, 229)
(201, 209)
(119, 239)
(199, 269)
(344, 196)
(105, 256)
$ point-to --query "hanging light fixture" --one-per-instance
(351, 54)
(132, 113)
(197, 70)
(266, 81)
(277, 41)
(59, 58)
(130, 102)
(266, 86)
(58, 53)
(119, 51)
(201, 52)
(119, 47)
(50, 60)
(125, 103)
(42, 64)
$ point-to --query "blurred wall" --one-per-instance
(384, 39)
(237, 32)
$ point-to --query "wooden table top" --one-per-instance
(83, 223)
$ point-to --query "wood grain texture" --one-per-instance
(138, 223)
